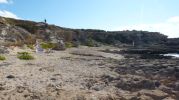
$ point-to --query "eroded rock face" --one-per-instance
(60, 45)
(44, 31)
(13, 33)
(3, 50)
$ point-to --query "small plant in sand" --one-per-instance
(30, 46)
(2, 58)
(90, 42)
(25, 56)
(68, 45)
(48, 45)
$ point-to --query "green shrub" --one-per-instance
(30, 46)
(2, 58)
(25, 56)
(90, 43)
(48, 45)
(68, 45)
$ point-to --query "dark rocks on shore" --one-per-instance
(98, 86)
(10, 76)
(157, 83)
(145, 72)
(135, 86)
(107, 78)
(149, 67)
(176, 86)
(177, 75)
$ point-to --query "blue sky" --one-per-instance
(150, 15)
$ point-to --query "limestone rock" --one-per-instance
(155, 94)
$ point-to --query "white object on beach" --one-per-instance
(38, 47)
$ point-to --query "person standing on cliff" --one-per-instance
(45, 21)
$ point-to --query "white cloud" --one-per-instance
(174, 19)
(4, 1)
(8, 14)
(169, 27)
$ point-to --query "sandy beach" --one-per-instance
(60, 74)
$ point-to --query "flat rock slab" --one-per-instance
(155, 94)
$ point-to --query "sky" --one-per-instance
(110, 15)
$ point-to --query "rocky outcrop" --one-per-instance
(27, 31)
(9, 33)
(3, 50)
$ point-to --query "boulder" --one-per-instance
(157, 83)
(136, 85)
(176, 69)
(177, 75)
(147, 84)
(176, 86)
(155, 94)
(10, 76)
(3, 50)
(98, 86)
(59, 43)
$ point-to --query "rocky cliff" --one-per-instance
(20, 31)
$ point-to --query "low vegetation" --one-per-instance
(30, 46)
(2, 58)
(69, 45)
(25, 56)
(48, 45)
(90, 43)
